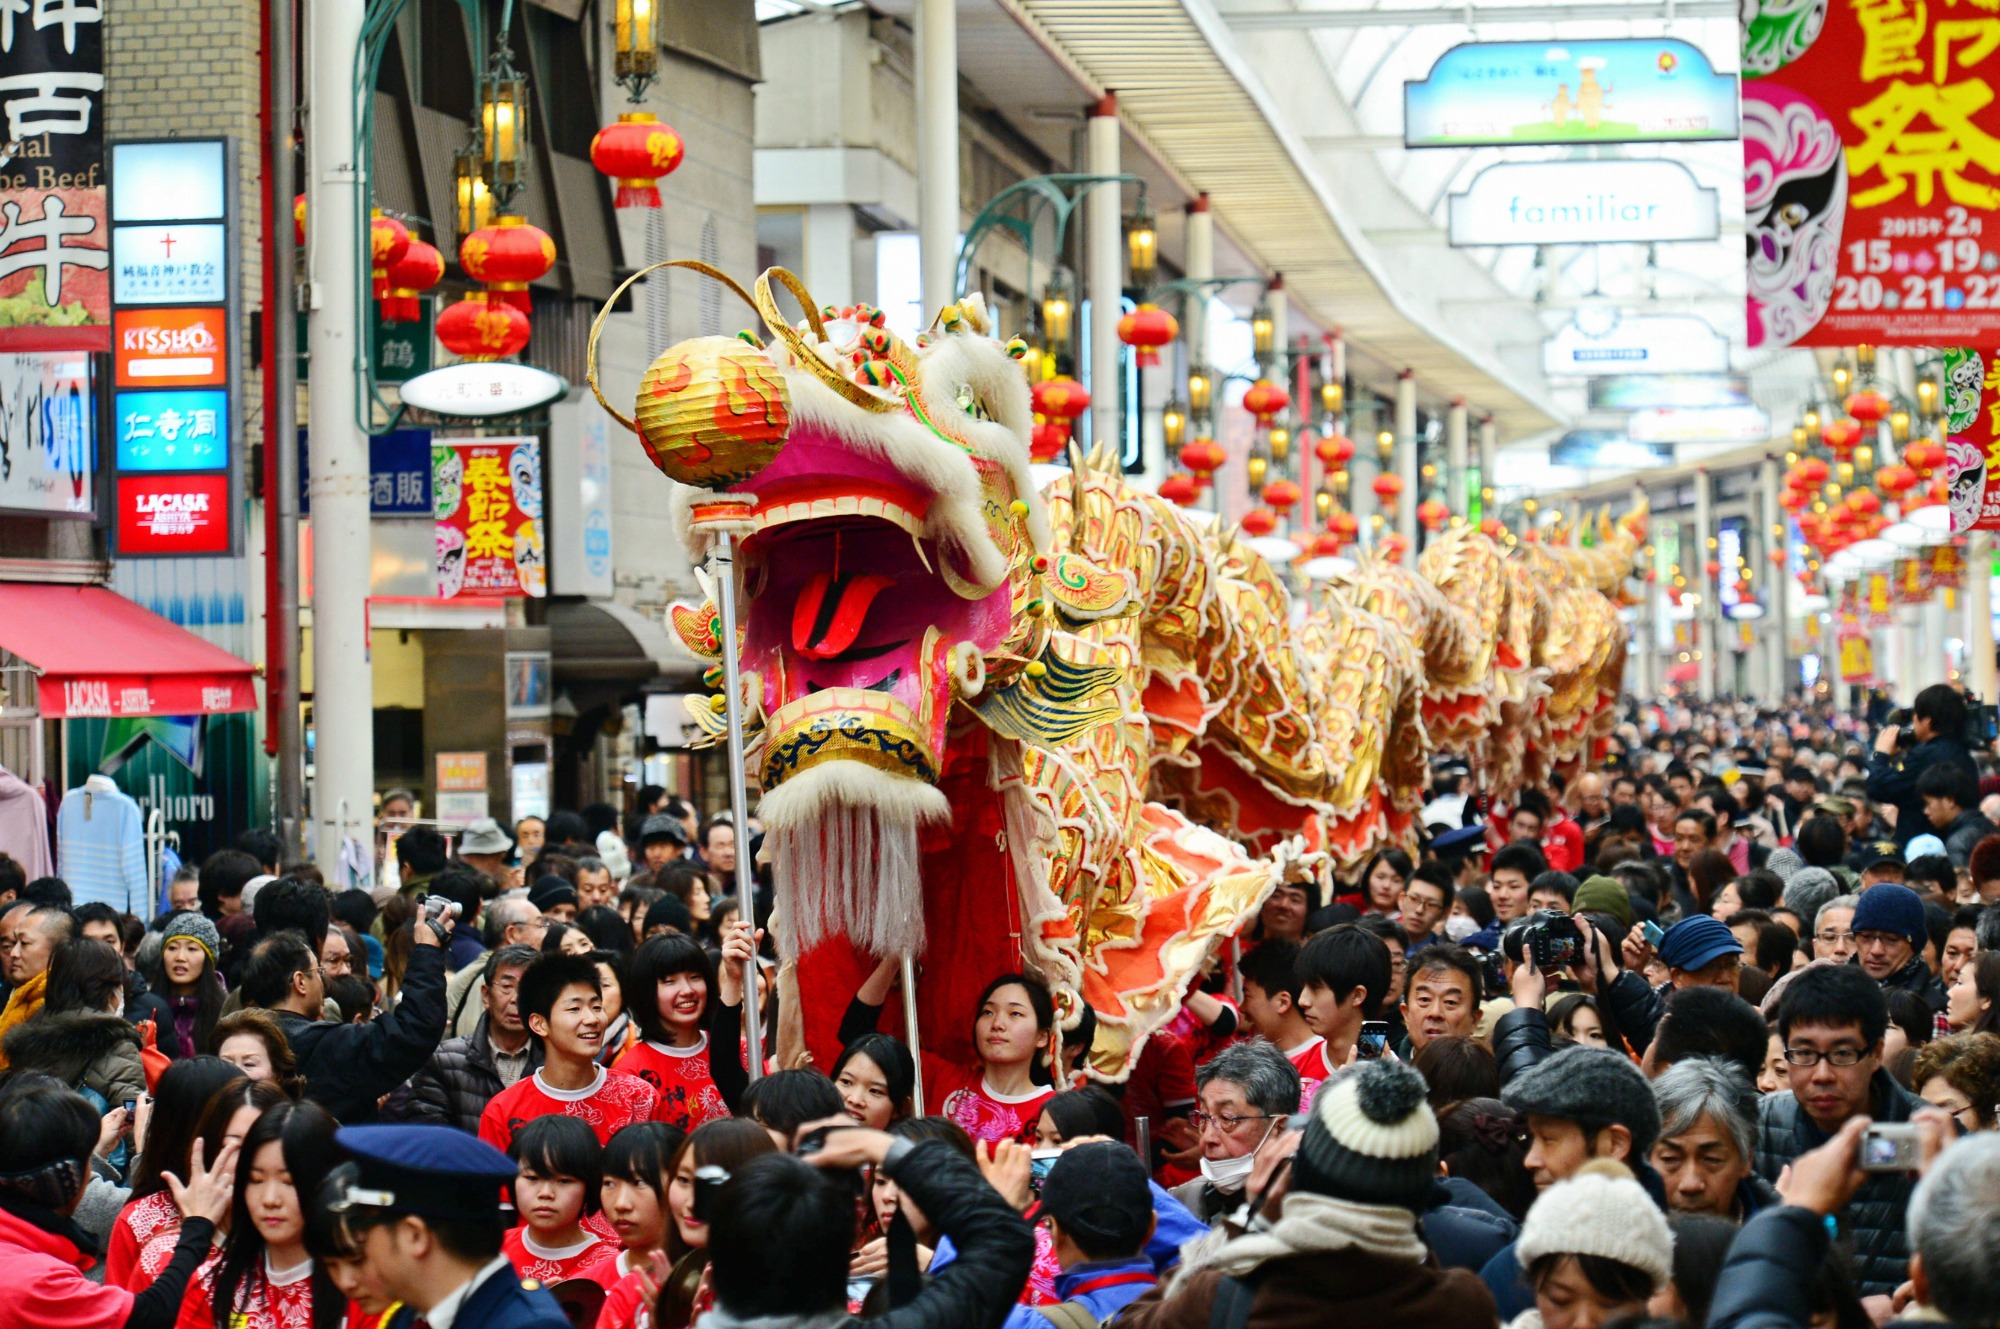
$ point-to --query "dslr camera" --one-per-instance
(1982, 723)
(1548, 937)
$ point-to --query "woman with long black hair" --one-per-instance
(164, 1142)
(185, 977)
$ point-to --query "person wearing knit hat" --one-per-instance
(196, 926)
(1344, 1241)
(1701, 951)
(1806, 891)
(185, 977)
(1889, 937)
(1604, 895)
(1594, 1249)
(1786, 863)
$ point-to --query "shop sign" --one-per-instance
(1645, 392)
(167, 265)
(1607, 449)
(185, 429)
(48, 433)
(399, 474)
(461, 787)
(403, 350)
(173, 514)
(1635, 344)
(1625, 90)
(1583, 203)
(487, 502)
(1871, 169)
(170, 348)
(1724, 424)
(54, 278)
(476, 389)
(580, 498)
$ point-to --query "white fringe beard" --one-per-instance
(844, 853)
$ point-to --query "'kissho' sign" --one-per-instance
(1583, 203)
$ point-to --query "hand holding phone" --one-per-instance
(1374, 1040)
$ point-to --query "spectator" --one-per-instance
(184, 976)
(1457, 1069)
(1482, 1144)
(1514, 871)
(555, 898)
(485, 849)
(1833, 929)
(466, 1072)
(1245, 1092)
(466, 887)
(1961, 1075)
(595, 884)
(1938, 727)
(876, 1077)
(1701, 1243)
(251, 1041)
(1271, 992)
(661, 841)
(1100, 1208)
(1889, 937)
(224, 874)
(1594, 1250)
(81, 1036)
(561, 1002)
(29, 935)
(163, 1141)
(1974, 999)
(1708, 1022)
(1425, 900)
(1440, 996)
(1344, 976)
(1700, 951)
(1383, 881)
(1707, 1151)
(1950, 794)
(718, 850)
(350, 1067)
(1574, 1018)
(1832, 1019)
(1553, 891)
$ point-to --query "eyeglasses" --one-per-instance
(1842, 1057)
(1223, 1122)
(1878, 938)
(1833, 936)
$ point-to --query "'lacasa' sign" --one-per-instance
(173, 514)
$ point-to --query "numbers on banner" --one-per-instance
(1962, 222)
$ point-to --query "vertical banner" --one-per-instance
(1876, 602)
(1857, 649)
(55, 290)
(1972, 438)
(487, 501)
(1871, 172)
(1910, 587)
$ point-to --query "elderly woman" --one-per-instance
(1706, 1152)
(1961, 1074)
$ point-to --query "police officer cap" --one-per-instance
(1456, 844)
(434, 1171)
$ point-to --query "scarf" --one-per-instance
(186, 1011)
(1309, 1224)
(22, 1007)
(51, 1219)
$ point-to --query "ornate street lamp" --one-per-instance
(638, 56)
(1057, 303)
(1143, 241)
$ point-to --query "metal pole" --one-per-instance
(1704, 615)
(1979, 615)
(282, 435)
(722, 569)
(1456, 461)
(1406, 456)
(910, 1032)
(1779, 626)
(937, 150)
(343, 691)
(1105, 274)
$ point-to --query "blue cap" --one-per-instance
(1465, 840)
(431, 1170)
(1887, 907)
(1922, 846)
(1697, 942)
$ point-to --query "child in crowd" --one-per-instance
(556, 1190)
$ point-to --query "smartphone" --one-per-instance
(1889, 1147)
(1040, 1163)
(1374, 1039)
(1653, 933)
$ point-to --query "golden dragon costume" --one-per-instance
(1076, 732)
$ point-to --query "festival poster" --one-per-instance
(1876, 601)
(55, 290)
(1907, 585)
(1972, 438)
(1857, 648)
(487, 502)
(1944, 568)
(1871, 157)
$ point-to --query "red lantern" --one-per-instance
(1327, 544)
(636, 152)
(1924, 456)
(299, 219)
(1259, 521)
(1048, 440)
(1895, 480)
(1712, 568)
(1778, 558)
(1393, 547)
(1795, 500)
(1334, 451)
(1388, 486)
(420, 268)
(1345, 525)
(1432, 514)
(1864, 502)
(1492, 527)
(1867, 405)
(1841, 435)
(505, 256)
(1180, 488)
(478, 328)
(1282, 495)
(1060, 399)
(1203, 456)
(1265, 399)
(1812, 472)
(388, 240)
(1148, 328)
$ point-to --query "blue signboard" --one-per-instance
(399, 474)
(185, 429)
(1626, 90)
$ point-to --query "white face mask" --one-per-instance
(1460, 926)
(1229, 1174)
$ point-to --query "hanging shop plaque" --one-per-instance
(1624, 90)
(1583, 203)
(48, 445)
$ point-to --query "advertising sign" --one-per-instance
(48, 434)
(487, 502)
(399, 474)
(1644, 392)
(1722, 424)
(186, 429)
(1583, 203)
(54, 287)
(168, 265)
(475, 389)
(403, 350)
(461, 786)
(1871, 170)
(1636, 344)
(173, 514)
(1625, 90)
(170, 348)
(1597, 449)
(580, 498)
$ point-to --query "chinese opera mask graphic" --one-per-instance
(1794, 199)
(450, 561)
(1967, 469)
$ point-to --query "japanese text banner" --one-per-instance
(487, 501)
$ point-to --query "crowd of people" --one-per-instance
(1702, 1033)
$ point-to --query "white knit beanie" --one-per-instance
(1601, 1211)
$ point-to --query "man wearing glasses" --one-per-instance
(1889, 936)
(1426, 897)
(1245, 1092)
(1831, 1022)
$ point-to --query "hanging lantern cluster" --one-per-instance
(388, 241)
(1057, 402)
(419, 269)
(1147, 329)
(480, 328)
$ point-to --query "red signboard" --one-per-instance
(1871, 154)
(171, 348)
(488, 498)
(173, 514)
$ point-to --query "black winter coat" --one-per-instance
(85, 1050)
(459, 1080)
(1766, 1282)
(1893, 780)
(1873, 1221)
(349, 1067)
(1916, 976)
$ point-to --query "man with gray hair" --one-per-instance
(508, 921)
(1244, 1093)
(1954, 1233)
(1707, 1151)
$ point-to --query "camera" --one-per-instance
(1548, 937)
(1041, 1162)
(1889, 1147)
(1982, 723)
(708, 1180)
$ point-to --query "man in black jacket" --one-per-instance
(1938, 725)
(781, 1227)
(465, 1073)
(349, 1068)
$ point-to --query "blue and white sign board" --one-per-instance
(1636, 344)
(185, 429)
(169, 265)
(1583, 203)
(1607, 449)
(579, 460)
(1625, 90)
(399, 474)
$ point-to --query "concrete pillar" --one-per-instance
(829, 274)
(1406, 455)
(1200, 257)
(343, 689)
(937, 152)
(1646, 632)
(1489, 457)
(1776, 603)
(1456, 459)
(1979, 673)
(1362, 427)
(1104, 269)
(1704, 617)
(1912, 669)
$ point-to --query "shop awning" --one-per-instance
(602, 641)
(101, 654)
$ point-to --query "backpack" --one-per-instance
(1068, 1315)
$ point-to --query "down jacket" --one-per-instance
(459, 1080)
(1873, 1221)
(86, 1050)
(1766, 1282)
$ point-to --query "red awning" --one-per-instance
(101, 654)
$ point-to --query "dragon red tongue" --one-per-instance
(830, 612)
